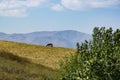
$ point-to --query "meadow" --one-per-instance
(20, 61)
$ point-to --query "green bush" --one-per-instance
(98, 59)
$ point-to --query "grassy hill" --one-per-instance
(19, 61)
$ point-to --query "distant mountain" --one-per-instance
(67, 38)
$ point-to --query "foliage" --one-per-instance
(98, 59)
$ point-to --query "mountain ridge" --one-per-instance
(65, 38)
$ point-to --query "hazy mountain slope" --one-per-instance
(67, 38)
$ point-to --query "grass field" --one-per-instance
(30, 62)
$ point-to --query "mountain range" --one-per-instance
(66, 38)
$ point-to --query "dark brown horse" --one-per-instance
(50, 44)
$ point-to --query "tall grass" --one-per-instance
(47, 56)
(13, 67)
(20, 61)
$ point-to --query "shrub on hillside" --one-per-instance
(98, 59)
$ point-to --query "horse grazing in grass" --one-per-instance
(50, 44)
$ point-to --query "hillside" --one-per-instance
(39, 62)
(47, 56)
(13, 67)
(67, 38)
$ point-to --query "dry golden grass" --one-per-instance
(13, 67)
(47, 56)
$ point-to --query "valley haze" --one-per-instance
(66, 38)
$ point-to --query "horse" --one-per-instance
(50, 44)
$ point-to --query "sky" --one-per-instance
(24, 16)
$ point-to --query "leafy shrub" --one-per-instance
(98, 59)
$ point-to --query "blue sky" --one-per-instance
(24, 16)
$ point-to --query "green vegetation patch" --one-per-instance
(98, 59)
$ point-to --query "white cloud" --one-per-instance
(13, 12)
(18, 7)
(34, 3)
(73, 4)
(57, 7)
(104, 3)
(86, 4)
